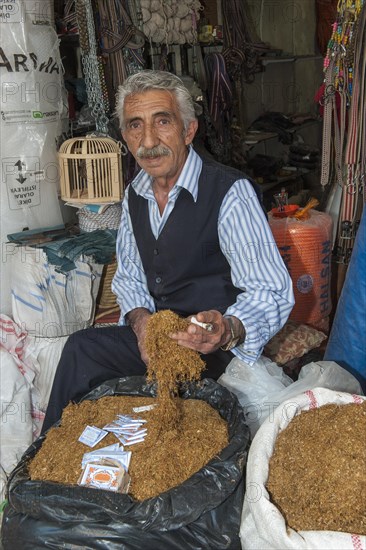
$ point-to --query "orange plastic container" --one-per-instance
(306, 247)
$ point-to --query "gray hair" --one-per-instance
(156, 80)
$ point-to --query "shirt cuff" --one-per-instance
(147, 304)
(256, 336)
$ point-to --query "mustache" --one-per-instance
(158, 151)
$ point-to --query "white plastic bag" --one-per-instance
(262, 525)
(261, 387)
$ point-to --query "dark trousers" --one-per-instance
(95, 355)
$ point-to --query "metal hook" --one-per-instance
(123, 148)
(329, 92)
(352, 185)
(362, 183)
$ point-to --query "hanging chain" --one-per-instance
(91, 66)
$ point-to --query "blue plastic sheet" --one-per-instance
(347, 340)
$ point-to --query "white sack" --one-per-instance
(16, 427)
(261, 387)
(262, 525)
(33, 111)
(50, 304)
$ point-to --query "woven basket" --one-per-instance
(106, 300)
(90, 170)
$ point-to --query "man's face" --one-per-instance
(155, 135)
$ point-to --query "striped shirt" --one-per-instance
(246, 241)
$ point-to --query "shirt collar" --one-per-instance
(188, 179)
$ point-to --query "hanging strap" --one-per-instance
(355, 148)
(354, 158)
(329, 107)
(220, 91)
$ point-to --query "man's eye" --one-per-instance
(134, 125)
(163, 121)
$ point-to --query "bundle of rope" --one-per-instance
(68, 19)
(169, 21)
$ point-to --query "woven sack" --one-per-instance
(306, 247)
(263, 525)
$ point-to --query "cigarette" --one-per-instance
(206, 326)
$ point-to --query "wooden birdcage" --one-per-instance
(90, 170)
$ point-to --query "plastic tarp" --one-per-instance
(203, 512)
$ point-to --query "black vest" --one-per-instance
(185, 268)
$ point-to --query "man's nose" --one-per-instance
(150, 136)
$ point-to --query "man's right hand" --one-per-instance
(138, 319)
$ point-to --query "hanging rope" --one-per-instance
(241, 50)
(121, 34)
(242, 46)
(355, 154)
(220, 95)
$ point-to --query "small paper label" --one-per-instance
(305, 284)
(100, 476)
(143, 408)
(92, 435)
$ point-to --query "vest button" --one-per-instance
(156, 251)
(164, 298)
(158, 280)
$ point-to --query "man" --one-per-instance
(193, 238)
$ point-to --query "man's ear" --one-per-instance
(191, 131)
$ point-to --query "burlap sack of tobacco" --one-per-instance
(202, 512)
(331, 469)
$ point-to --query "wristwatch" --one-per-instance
(234, 340)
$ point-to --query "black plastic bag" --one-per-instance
(202, 513)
